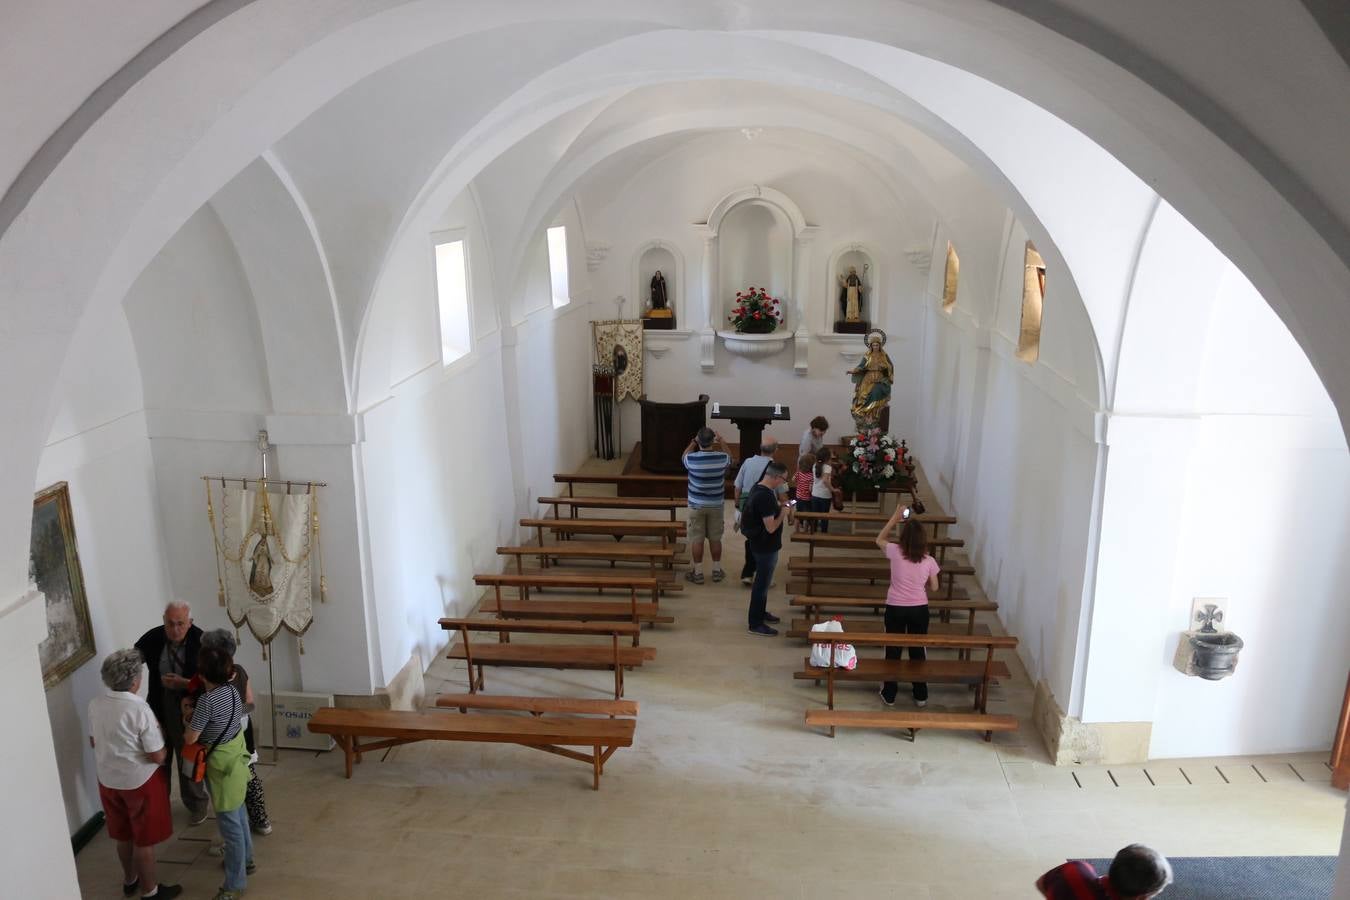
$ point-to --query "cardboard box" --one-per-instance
(294, 710)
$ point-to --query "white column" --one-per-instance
(711, 307)
(801, 279)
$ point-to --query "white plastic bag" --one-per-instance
(845, 657)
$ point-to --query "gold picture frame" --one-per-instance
(54, 568)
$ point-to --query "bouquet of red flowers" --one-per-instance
(756, 312)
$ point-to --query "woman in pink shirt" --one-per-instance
(913, 573)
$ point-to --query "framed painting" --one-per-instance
(54, 567)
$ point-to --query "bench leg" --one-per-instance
(598, 767)
(346, 744)
(988, 736)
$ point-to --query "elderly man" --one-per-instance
(128, 752)
(170, 652)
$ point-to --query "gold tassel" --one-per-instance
(220, 591)
(301, 642)
(323, 589)
(264, 652)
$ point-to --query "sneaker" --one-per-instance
(747, 580)
(718, 574)
(165, 891)
(250, 867)
(223, 894)
(693, 576)
(216, 849)
(263, 829)
(920, 703)
(882, 695)
(195, 818)
(130, 889)
(764, 631)
(771, 618)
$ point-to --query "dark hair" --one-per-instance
(805, 461)
(215, 665)
(820, 423)
(774, 469)
(705, 437)
(913, 540)
(1138, 871)
(821, 459)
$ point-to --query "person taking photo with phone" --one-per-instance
(762, 525)
(913, 573)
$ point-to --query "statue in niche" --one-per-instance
(872, 380)
(851, 294)
(658, 290)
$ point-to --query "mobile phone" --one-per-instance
(905, 514)
(792, 502)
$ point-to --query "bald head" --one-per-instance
(768, 448)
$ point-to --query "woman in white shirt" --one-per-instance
(128, 755)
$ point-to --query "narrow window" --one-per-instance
(452, 297)
(557, 265)
(1033, 294)
(949, 279)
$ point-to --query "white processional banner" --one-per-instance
(265, 547)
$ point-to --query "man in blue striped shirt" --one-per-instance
(707, 469)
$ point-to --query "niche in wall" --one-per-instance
(852, 264)
(652, 257)
(1033, 296)
(755, 248)
(949, 279)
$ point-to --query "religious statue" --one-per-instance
(850, 294)
(658, 290)
(872, 379)
(260, 570)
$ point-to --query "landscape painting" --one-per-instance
(54, 569)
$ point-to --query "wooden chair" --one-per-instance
(552, 734)
(548, 656)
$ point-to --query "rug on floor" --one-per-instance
(1246, 877)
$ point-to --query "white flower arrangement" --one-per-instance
(873, 457)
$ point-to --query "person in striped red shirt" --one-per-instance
(1137, 873)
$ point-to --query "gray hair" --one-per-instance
(769, 446)
(1139, 871)
(178, 604)
(774, 469)
(121, 668)
(705, 437)
(220, 639)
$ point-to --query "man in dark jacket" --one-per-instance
(170, 652)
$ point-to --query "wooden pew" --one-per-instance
(666, 532)
(825, 540)
(547, 656)
(652, 485)
(937, 521)
(873, 569)
(980, 673)
(813, 605)
(552, 734)
(538, 706)
(576, 610)
(639, 504)
(876, 591)
(801, 628)
(648, 553)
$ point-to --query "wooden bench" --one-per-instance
(602, 657)
(862, 541)
(937, 521)
(854, 588)
(538, 706)
(552, 734)
(640, 504)
(659, 560)
(801, 628)
(619, 529)
(913, 720)
(650, 485)
(873, 569)
(814, 604)
(979, 673)
(576, 610)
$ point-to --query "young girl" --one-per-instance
(822, 486)
(803, 483)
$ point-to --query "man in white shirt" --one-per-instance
(128, 753)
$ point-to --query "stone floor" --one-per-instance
(726, 793)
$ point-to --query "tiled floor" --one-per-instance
(727, 794)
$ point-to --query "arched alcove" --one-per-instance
(860, 258)
(755, 245)
(664, 257)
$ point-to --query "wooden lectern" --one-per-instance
(667, 429)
